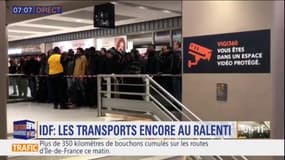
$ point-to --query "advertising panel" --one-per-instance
(82, 43)
(118, 42)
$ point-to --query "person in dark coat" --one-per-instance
(92, 62)
(134, 66)
(13, 70)
(91, 90)
(101, 61)
(120, 60)
(165, 68)
(109, 63)
(43, 86)
(68, 72)
(176, 65)
(22, 81)
(152, 66)
(32, 68)
(49, 86)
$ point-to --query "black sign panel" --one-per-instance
(243, 52)
(104, 15)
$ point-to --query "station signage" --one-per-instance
(242, 52)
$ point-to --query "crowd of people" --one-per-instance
(53, 67)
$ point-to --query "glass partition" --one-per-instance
(19, 87)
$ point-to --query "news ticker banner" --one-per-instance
(137, 129)
(27, 129)
(147, 147)
(86, 138)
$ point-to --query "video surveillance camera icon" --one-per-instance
(199, 52)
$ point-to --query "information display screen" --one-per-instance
(104, 16)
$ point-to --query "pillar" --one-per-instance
(3, 71)
(277, 63)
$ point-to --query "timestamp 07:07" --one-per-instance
(23, 9)
(36, 10)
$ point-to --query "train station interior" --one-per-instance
(139, 69)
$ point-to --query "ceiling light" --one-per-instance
(15, 51)
(142, 7)
(78, 20)
(166, 11)
(114, 3)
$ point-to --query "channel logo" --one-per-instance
(24, 129)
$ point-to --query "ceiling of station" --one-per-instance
(81, 17)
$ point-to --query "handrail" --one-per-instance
(172, 104)
(173, 98)
(138, 75)
(125, 84)
(125, 93)
(184, 108)
(150, 83)
(168, 112)
(179, 103)
(95, 76)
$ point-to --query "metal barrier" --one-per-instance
(18, 88)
